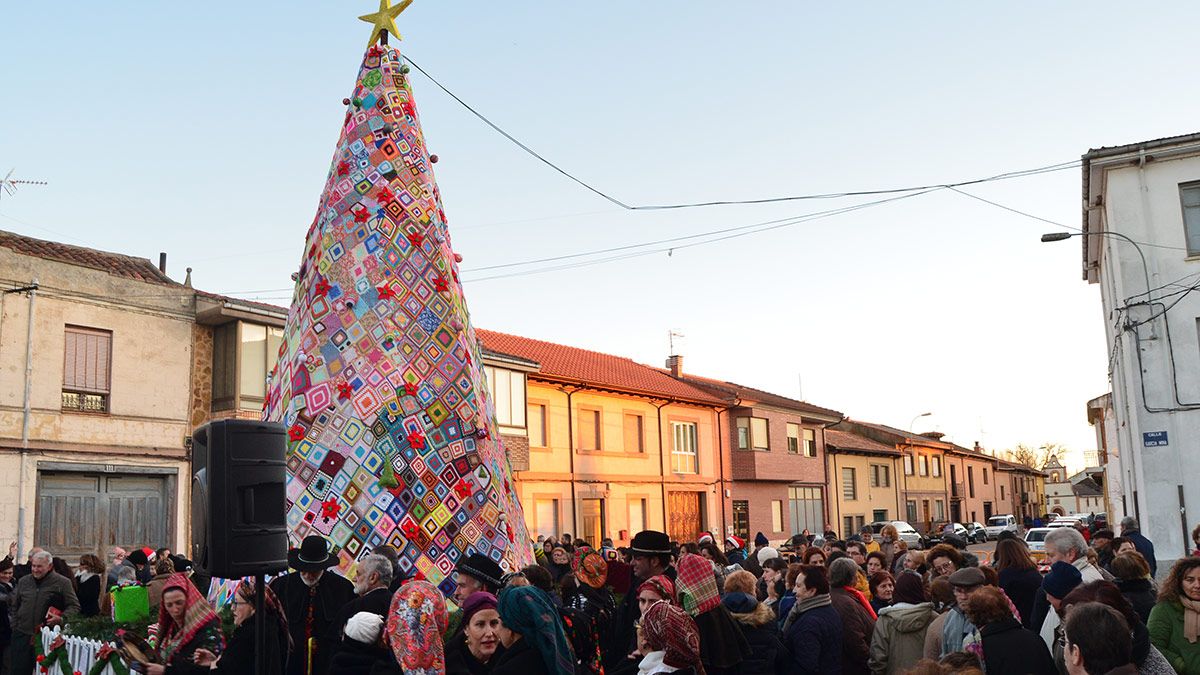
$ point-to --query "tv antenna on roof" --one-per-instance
(9, 184)
(671, 335)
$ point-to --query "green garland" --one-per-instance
(55, 657)
(108, 657)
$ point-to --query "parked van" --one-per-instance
(998, 524)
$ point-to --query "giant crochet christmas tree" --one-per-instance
(392, 435)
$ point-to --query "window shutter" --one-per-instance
(86, 361)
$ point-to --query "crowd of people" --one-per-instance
(863, 604)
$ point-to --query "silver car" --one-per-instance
(1035, 538)
(906, 531)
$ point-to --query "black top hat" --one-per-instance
(137, 557)
(650, 542)
(313, 555)
(482, 568)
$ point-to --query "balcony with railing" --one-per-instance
(956, 491)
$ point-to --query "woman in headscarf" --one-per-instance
(532, 634)
(415, 623)
(722, 645)
(186, 623)
(478, 644)
(671, 641)
(238, 658)
(584, 592)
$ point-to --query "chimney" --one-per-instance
(675, 365)
(162, 262)
(978, 447)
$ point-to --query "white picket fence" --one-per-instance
(81, 651)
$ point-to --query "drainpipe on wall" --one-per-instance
(662, 469)
(28, 414)
(721, 463)
(571, 456)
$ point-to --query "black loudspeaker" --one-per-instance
(239, 523)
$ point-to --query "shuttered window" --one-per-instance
(87, 361)
(849, 486)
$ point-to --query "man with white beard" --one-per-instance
(312, 600)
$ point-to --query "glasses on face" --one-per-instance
(944, 567)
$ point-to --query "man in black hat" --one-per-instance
(477, 572)
(312, 601)
(651, 557)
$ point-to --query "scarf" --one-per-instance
(197, 615)
(270, 605)
(415, 623)
(667, 628)
(660, 585)
(653, 663)
(527, 610)
(1191, 619)
(862, 600)
(590, 568)
(802, 606)
(697, 585)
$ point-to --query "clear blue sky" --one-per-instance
(206, 132)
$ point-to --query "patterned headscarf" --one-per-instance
(697, 585)
(590, 568)
(527, 610)
(662, 585)
(271, 605)
(197, 615)
(415, 623)
(669, 629)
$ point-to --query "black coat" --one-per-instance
(181, 662)
(89, 596)
(815, 642)
(1008, 647)
(355, 658)
(238, 658)
(857, 628)
(332, 594)
(1140, 594)
(520, 659)
(1021, 586)
(460, 661)
(768, 655)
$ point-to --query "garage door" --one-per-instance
(87, 513)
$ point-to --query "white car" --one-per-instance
(997, 524)
(1063, 521)
(906, 532)
(1035, 538)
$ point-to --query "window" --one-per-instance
(937, 466)
(939, 509)
(752, 433)
(637, 515)
(535, 415)
(1001, 492)
(1190, 196)
(910, 510)
(810, 443)
(508, 394)
(807, 506)
(777, 515)
(741, 518)
(793, 438)
(971, 481)
(243, 355)
(86, 369)
(924, 464)
(908, 464)
(849, 489)
(591, 519)
(878, 515)
(545, 518)
(589, 429)
(635, 438)
(881, 475)
(683, 447)
(848, 526)
(985, 477)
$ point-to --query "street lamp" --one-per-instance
(1059, 236)
(914, 420)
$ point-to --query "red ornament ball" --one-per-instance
(433, 159)
(345, 101)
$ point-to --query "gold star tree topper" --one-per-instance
(384, 21)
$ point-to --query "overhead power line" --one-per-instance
(724, 202)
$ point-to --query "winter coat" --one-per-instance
(898, 641)
(1140, 594)
(460, 661)
(208, 637)
(815, 642)
(355, 658)
(1009, 647)
(1021, 586)
(32, 598)
(238, 657)
(1166, 633)
(1143, 546)
(933, 637)
(857, 629)
(767, 652)
(520, 659)
(88, 592)
(6, 592)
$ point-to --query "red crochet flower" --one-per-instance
(416, 440)
(345, 389)
(463, 489)
(296, 433)
(323, 287)
(410, 388)
(415, 238)
(361, 216)
(330, 508)
(440, 284)
(343, 168)
(385, 292)
(386, 195)
(410, 528)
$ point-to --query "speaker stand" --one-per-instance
(260, 623)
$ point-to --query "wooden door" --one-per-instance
(81, 513)
(683, 516)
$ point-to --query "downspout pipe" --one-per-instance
(662, 467)
(721, 463)
(27, 417)
(571, 457)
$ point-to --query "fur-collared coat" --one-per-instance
(768, 655)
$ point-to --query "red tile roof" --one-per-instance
(116, 264)
(749, 396)
(892, 434)
(844, 440)
(582, 366)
